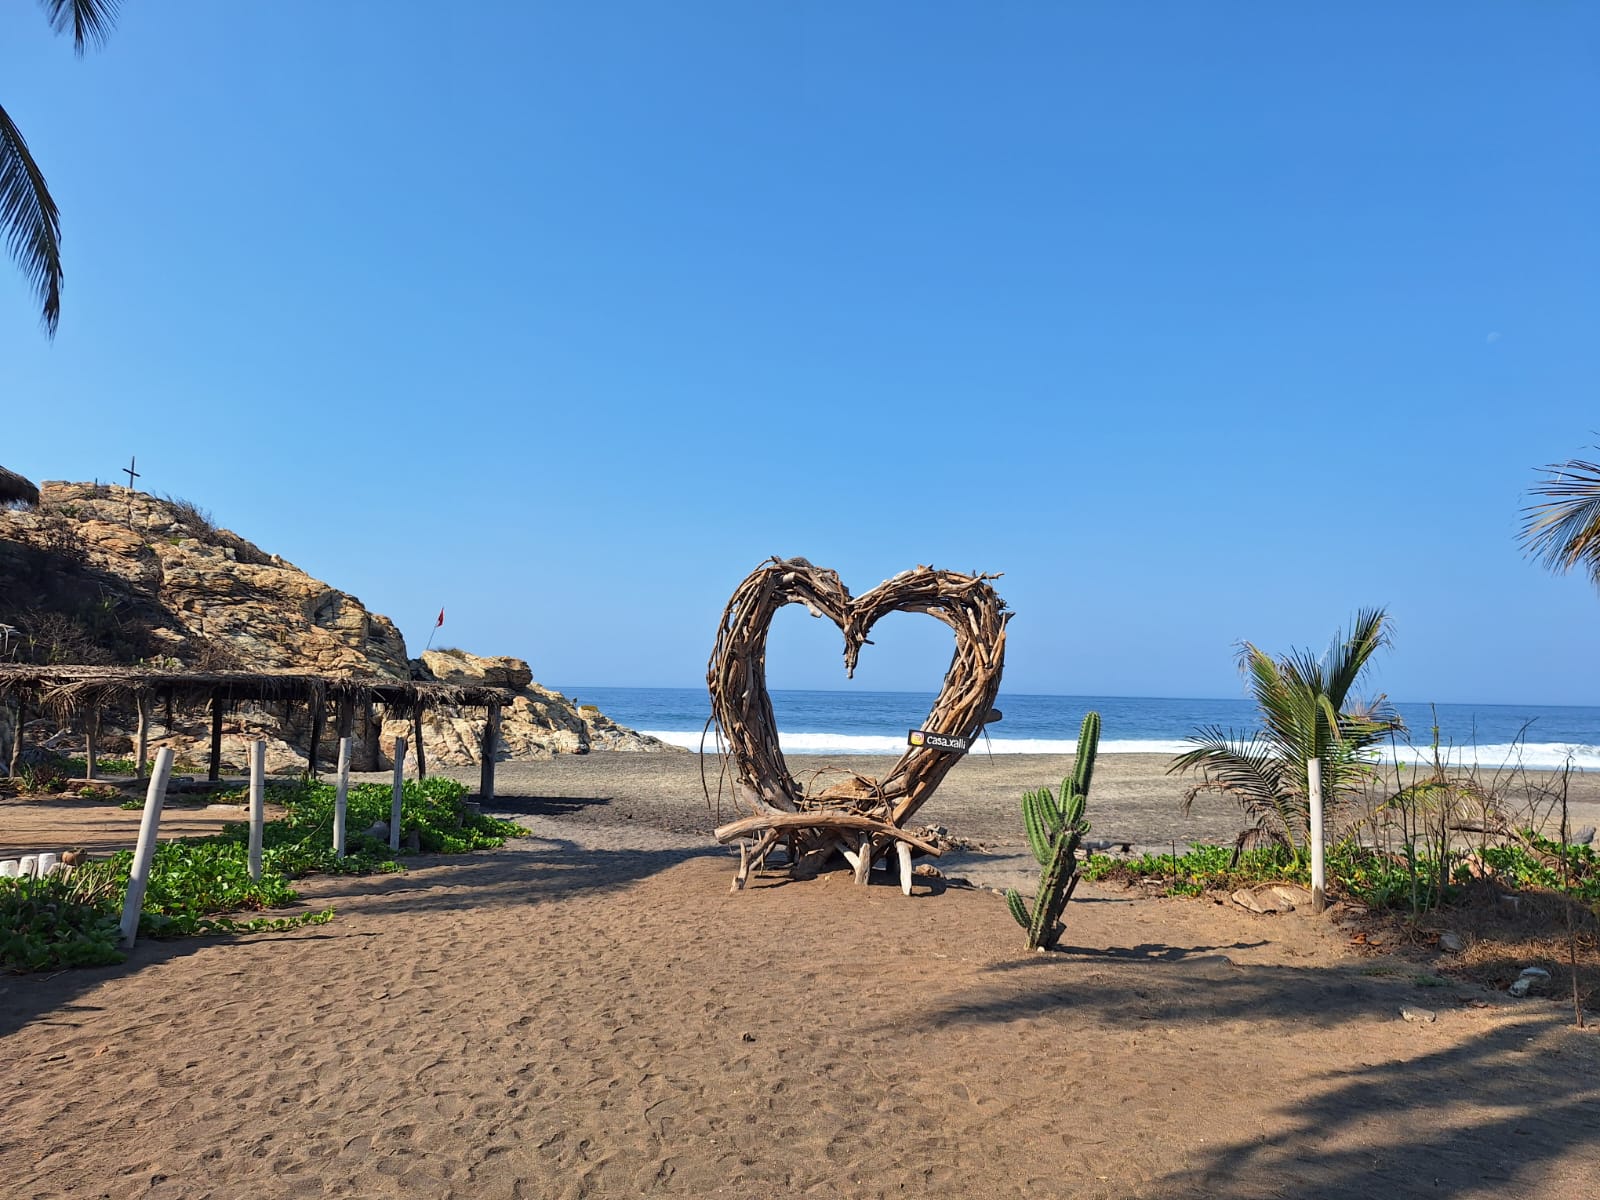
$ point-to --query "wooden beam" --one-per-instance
(16, 742)
(341, 797)
(145, 852)
(820, 819)
(399, 792)
(416, 737)
(258, 807)
(319, 718)
(864, 862)
(369, 733)
(214, 772)
(91, 740)
(491, 744)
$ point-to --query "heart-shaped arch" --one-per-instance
(742, 707)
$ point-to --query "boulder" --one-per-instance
(1271, 898)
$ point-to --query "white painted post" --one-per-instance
(258, 804)
(139, 877)
(341, 795)
(1319, 895)
(399, 791)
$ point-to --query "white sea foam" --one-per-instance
(1535, 756)
(845, 743)
(1538, 756)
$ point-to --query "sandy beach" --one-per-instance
(589, 1012)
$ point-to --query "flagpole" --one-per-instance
(433, 631)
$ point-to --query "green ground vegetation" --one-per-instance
(203, 886)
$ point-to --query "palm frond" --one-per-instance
(1348, 657)
(1564, 531)
(1247, 771)
(30, 221)
(89, 20)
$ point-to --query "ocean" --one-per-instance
(841, 722)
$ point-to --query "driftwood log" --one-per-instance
(862, 818)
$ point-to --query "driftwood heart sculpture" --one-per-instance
(742, 708)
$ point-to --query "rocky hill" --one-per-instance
(102, 574)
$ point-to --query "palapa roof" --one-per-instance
(68, 688)
(14, 489)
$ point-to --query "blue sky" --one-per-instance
(1199, 322)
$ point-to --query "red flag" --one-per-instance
(440, 621)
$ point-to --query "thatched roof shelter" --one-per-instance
(66, 690)
(14, 489)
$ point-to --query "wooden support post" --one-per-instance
(369, 733)
(1319, 894)
(319, 717)
(341, 796)
(864, 862)
(752, 856)
(344, 717)
(149, 827)
(399, 792)
(491, 744)
(16, 741)
(258, 804)
(91, 740)
(214, 772)
(142, 744)
(416, 735)
(902, 851)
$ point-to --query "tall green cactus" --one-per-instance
(1055, 827)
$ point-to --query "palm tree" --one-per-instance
(1564, 531)
(29, 219)
(1307, 711)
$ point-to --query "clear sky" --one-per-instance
(1200, 322)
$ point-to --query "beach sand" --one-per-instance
(589, 1012)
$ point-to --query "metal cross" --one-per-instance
(130, 472)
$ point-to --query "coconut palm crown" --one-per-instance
(1564, 531)
(1307, 710)
(30, 223)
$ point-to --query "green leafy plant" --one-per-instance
(196, 884)
(54, 922)
(1307, 710)
(79, 767)
(1055, 828)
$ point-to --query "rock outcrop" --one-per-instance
(102, 574)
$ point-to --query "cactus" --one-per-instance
(1055, 827)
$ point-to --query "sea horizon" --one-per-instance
(829, 721)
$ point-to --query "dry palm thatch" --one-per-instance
(68, 689)
(14, 489)
(868, 812)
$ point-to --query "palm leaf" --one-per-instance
(1564, 531)
(1248, 771)
(30, 221)
(89, 20)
